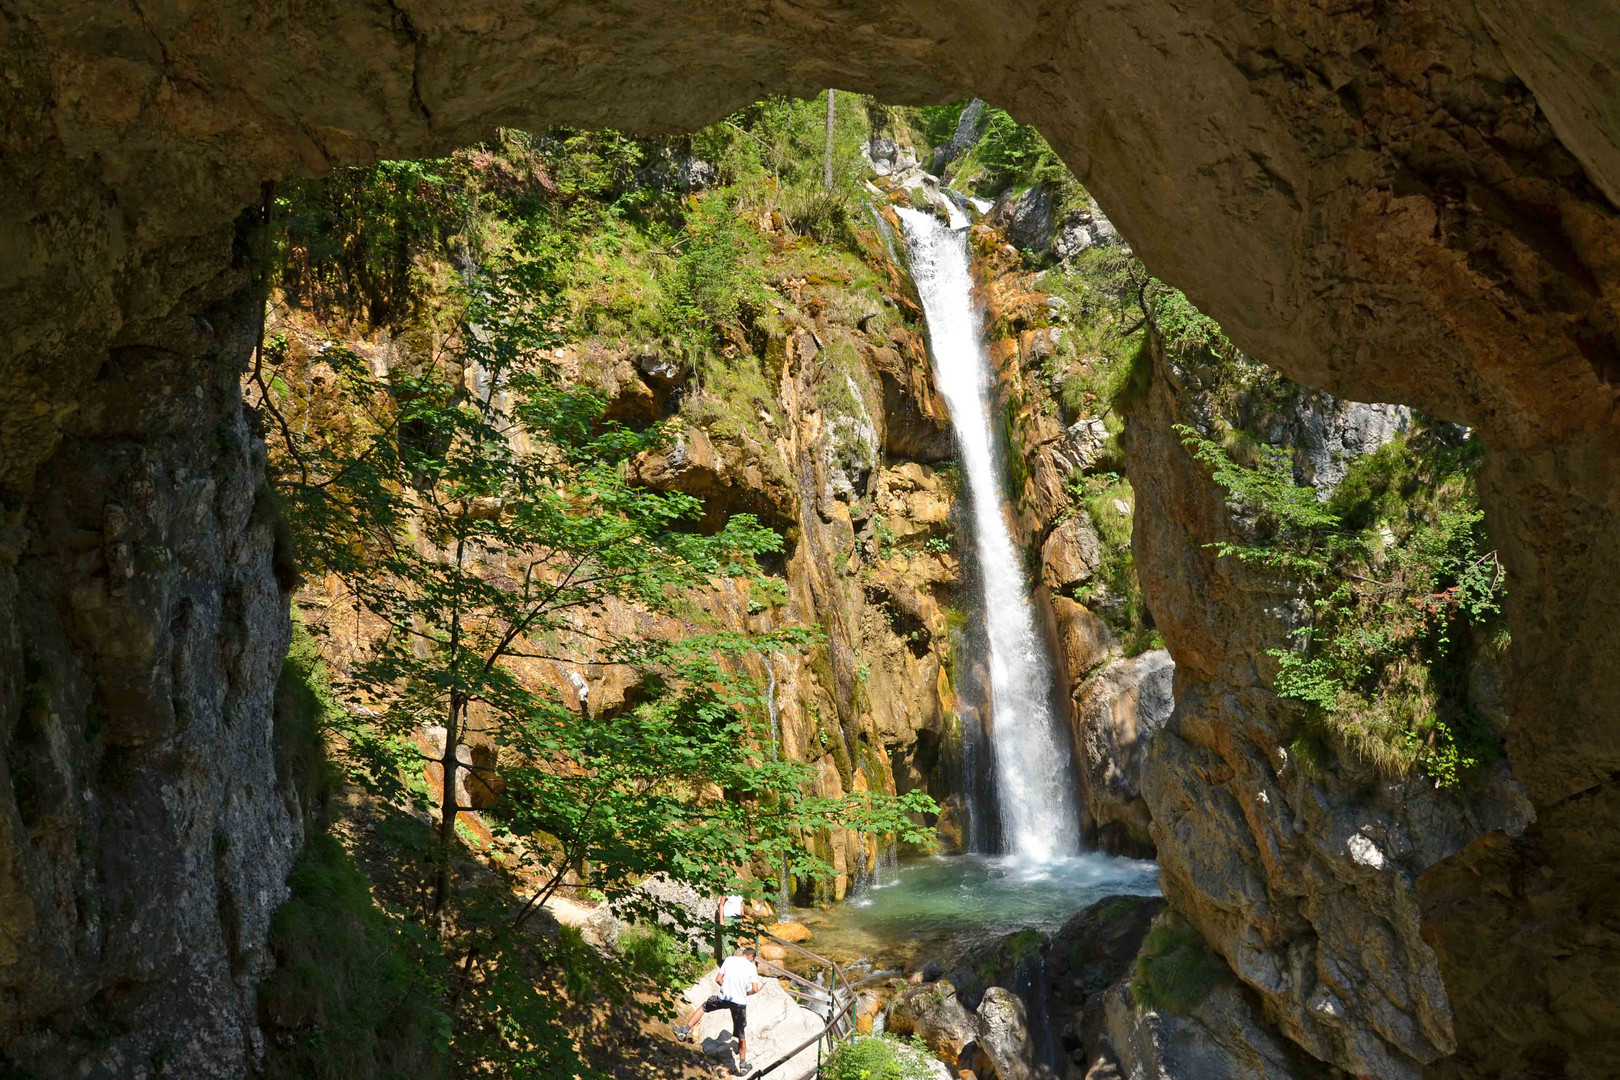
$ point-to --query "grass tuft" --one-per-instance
(1176, 969)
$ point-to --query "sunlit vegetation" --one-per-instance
(471, 503)
(1404, 588)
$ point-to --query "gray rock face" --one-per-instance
(1223, 1038)
(932, 1011)
(1071, 553)
(1025, 217)
(1212, 1031)
(887, 156)
(851, 446)
(1081, 230)
(968, 128)
(1117, 713)
(1082, 442)
(146, 831)
(1328, 435)
(1305, 883)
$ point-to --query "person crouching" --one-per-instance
(737, 979)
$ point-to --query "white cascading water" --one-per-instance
(1033, 762)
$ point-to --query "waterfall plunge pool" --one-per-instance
(939, 907)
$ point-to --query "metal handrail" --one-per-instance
(835, 1027)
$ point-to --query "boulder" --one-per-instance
(790, 931)
(727, 477)
(931, 1011)
(1116, 712)
(776, 1024)
(1025, 217)
(1082, 443)
(1006, 1052)
(1222, 1038)
(1084, 640)
(1097, 948)
(1071, 553)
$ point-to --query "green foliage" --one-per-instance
(1007, 155)
(1176, 969)
(1010, 150)
(472, 527)
(1186, 330)
(355, 994)
(938, 122)
(1402, 584)
(305, 708)
(711, 285)
(1113, 591)
(1295, 527)
(656, 954)
(876, 1057)
(884, 535)
(352, 241)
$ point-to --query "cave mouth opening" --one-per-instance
(1264, 202)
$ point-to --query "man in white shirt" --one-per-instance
(728, 914)
(737, 979)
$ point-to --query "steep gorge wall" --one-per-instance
(149, 825)
(817, 415)
(1071, 513)
(1302, 873)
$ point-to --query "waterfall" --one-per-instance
(1034, 768)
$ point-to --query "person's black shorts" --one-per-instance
(739, 1014)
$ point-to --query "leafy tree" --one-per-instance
(478, 512)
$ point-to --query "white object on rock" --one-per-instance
(1363, 852)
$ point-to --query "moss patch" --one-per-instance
(1176, 969)
(355, 989)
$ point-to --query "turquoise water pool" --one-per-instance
(938, 907)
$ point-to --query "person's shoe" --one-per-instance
(682, 1033)
(744, 1068)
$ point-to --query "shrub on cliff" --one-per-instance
(1403, 586)
(355, 993)
(876, 1057)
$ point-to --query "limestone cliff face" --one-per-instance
(1304, 879)
(838, 446)
(148, 828)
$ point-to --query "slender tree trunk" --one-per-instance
(826, 161)
(448, 807)
(449, 763)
